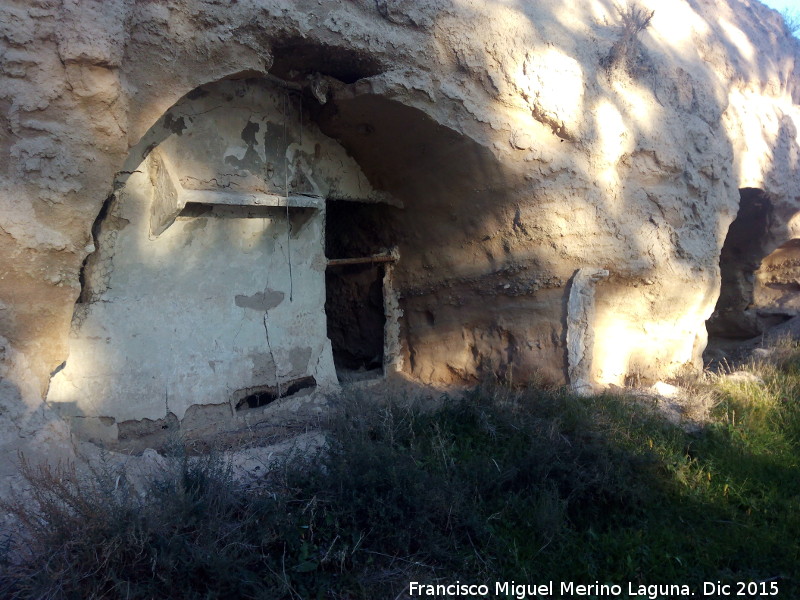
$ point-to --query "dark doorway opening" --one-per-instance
(355, 280)
(356, 319)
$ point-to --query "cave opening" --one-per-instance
(739, 314)
(356, 286)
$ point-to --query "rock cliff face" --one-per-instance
(151, 153)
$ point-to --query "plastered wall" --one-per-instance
(208, 273)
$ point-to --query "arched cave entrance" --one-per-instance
(206, 293)
(216, 262)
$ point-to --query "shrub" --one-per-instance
(194, 535)
(625, 53)
(791, 20)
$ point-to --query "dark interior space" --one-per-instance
(354, 292)
(356, 319)
(261, 396)
(741, 255)
(358, 229)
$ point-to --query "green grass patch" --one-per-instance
(504, 484)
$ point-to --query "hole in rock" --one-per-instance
(256, 397)
(197, 240)
(295, 58)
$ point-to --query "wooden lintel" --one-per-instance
(376, 258)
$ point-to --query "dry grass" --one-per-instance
(507, 483)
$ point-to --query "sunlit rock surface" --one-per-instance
(498, 149)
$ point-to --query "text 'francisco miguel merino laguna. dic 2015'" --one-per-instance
(563, 589)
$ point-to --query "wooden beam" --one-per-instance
(376, 258)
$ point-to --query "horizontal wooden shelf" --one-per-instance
(249, 199)
(376, 258)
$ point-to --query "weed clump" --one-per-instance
(626, 52)
(791, 20)
(95, 537)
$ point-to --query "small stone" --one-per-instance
(665, 389)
